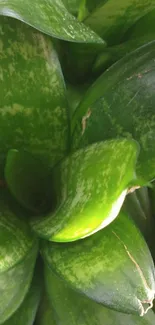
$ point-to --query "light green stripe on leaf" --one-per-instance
(50, 17)
(90, 187)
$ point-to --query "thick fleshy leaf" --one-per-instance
(112, 54)
(46, 314)
(82, 8)
(50, 17)
(144, 25)
(91, 185)
(75, 94)
(114, 18)
(72, 6)
(113, 267)
(139, 34)
(18, 250)
(73, 308)
(33, 109)
(138, 206)
(122, 103)
(27, 311)
(28, 180)
(77, 60)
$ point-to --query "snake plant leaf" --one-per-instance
(144, 25)
(134, 208)
(50, 17)
(46, 314)
(77, 60)
(18, 251)
(33, 109)
(121, 103)
(73, 308)
(28, 180)
(72, 6)
(26, 313)
(91, 185)
(113, 267)
(113, 18)
(114, 53)
(75, 94)
(139, 34)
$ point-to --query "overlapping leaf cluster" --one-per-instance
(77, 162)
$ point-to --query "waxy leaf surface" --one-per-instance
(33, 108)
(114, 267)
(50, 17)
(90, 187)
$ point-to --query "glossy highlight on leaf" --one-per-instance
(113, 267)
(91, 185)
(50, 17)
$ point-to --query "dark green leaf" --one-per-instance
(91, 185)
(112, 54)
(18, 251)
(75, 94)
(114, 18)
(33, 110)
(113, 267)
(73, 308)
(138, 207)
(26, 313)
(144, 25)
(121, 104)
(46, 314)
(27, 179)
(72, 6)
(50, 17)
(77, 60)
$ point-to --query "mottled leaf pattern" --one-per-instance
(123, 106)
(50, 17)
(113, 267)
(91, 185)
(113, 18)
(26, 313)
(33, 107)
(18, 251)
(73, 308)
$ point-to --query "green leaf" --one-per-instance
(91, 185)
(45, 315)
(75, 94)
(121, 104)
(50, 17)
(18, 251)
(73, 308)
(114, 267)
(27, 311)
(33, 110)
(113, 18)
(145, 25)
(77, 60)
(72, 6)
(140, 33)
(28, 180)
(112, 54)
(138, 207)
